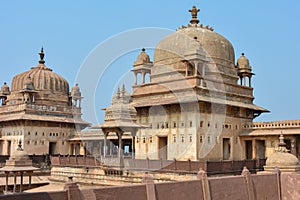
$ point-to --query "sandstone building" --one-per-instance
(194, 101)
(198, 102)
(39, 110)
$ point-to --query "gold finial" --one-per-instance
(194, 11)
(41, 61)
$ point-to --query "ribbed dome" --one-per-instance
(192, 39)
(42, 78)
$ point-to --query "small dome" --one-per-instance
(243, 62)
(5, 89)
(28, 84)
(142, 58)
(75, 92)
(279, 159)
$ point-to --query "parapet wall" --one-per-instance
(246, 186)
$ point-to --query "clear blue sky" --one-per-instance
(70, 31)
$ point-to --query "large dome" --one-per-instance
(195, 38)
(42, 78)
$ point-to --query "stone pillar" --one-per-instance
(15, 182)
(187, 70)
(253, 149)
(100, 148)
(196, 68)
(133, 147)
(245, 83)
(143, 77)
(277, 172)
(29, 180)
(250, 189)
(202, 176)
(21, 181)
(82, 151)
(111, 146)
(249, 81)
(74, 149)
(120, 148)
(73, 192)
(105, 145)
(135, 78)
(293, 146)
(6, 181)
(150, 187)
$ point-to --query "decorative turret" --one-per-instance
(142, 65)
(76, 96)
(143, 58)
(3, 93)
(5, 89)
(282, 159)
(244, 70)
(120, 108)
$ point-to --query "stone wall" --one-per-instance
(246, 186)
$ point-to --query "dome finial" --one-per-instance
(41, 61)
(123, 88)
(194, 11)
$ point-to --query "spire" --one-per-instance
(123, 88)
(194, 12)
(41, 61)
(282, 144)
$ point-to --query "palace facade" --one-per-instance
(40, 111)
(194, 101)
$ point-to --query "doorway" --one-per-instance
(163, 148)
(249, 149)
(52, 148)
(226, 148)
(260, 149)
